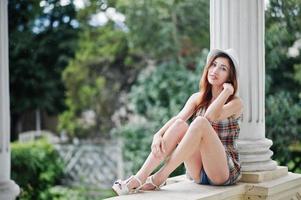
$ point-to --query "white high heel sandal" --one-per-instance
(120, 187)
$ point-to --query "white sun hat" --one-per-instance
(229, 52)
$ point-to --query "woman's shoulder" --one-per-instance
(196, 97)
(237, 98)
(238, 101)
(195, 94)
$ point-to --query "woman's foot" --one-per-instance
(153, 183)
(131, 185)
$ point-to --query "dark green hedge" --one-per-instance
(36, 167)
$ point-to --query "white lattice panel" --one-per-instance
(95, 165)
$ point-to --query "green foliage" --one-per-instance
(66, 193)
(283, 29)
(283, 82)
(283, 119)
(37, 62)
(41, 41)
(94, 80)
(160, 95)
(62, 193)
(170, 29)
(158, 29)
(35, 167)
(297, 75)
(137, 138)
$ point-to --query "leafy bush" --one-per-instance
(157, 96)
(36, 167)
(161, 94)
(61, 193)
(282, 124)
(136, 142)
(101, 70)
(75, 193)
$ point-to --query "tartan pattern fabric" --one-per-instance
(228, 132)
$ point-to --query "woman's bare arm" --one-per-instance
(218, 110)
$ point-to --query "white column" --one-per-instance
(239, 24)
(8, 188)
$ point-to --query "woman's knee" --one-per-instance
(181, 124)
(220, 178)
(200, 122)
(195, 177)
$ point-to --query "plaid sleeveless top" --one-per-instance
(228, 132)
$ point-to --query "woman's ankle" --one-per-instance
(141, 176)
(134, 183)
(159, 179)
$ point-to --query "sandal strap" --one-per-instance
(138, 180)
(151, 181)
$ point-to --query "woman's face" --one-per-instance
(219, 71)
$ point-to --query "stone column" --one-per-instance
(8, 189)
(239, 24)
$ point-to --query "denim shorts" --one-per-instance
(204, 179)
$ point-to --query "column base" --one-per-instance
(255, 155)
(9, 190)
(259, 166)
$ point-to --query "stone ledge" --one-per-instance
(258, 177)
(276, 187)
(286, 187)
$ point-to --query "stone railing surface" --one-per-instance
(270, 185)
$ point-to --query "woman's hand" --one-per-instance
(158, 146)
(228, 87)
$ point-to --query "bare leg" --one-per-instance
(194, 164)
(172, 137)
(202, 136)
